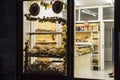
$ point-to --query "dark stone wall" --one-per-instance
(8, 40)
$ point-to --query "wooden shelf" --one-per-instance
(95, 65)
(96, 51)
(95, 31)
(95, 37)
(46, 42)
(43, 55)
(38, 33)
(83, 31)
(84, 43)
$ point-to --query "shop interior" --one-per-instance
(94, 38)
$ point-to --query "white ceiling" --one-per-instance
(93, 2)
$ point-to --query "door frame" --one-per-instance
(116, 40)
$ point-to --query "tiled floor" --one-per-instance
(82, 69)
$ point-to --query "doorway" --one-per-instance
(93, 57)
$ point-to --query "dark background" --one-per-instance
(8, 39)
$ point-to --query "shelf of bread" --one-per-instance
(55, 59)
(38, 33)
(82, 51)
(47, 51)
(83, 37)
(44, 30)
(83, 31)
(96, 51)
(45, 39)
(46, 42)
(95, 38)
(95, 42)
(83, 43)
(46, 66)
(95, 62)
(96, 31)
(95, 35)
(88, 27)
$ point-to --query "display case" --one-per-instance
(44, 37)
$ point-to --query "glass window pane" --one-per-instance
(44, 37)
(89, 14)
(108, 13)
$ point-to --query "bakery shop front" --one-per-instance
(65, 40)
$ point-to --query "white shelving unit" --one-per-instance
(95, 60)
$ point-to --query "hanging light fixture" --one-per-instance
(86, 11)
